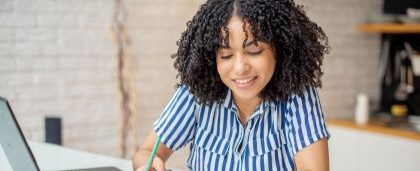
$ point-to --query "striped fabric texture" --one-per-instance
(273, 134)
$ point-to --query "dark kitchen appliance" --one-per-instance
(399, 6)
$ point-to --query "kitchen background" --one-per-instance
(58, 58)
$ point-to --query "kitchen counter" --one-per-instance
(371, 147)
(375, 126)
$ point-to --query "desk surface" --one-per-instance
(53, 157)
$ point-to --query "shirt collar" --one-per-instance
(229, 104)
(269, 103)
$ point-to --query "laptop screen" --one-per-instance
(12, 141)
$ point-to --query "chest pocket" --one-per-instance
(211, 142)
(274, 141)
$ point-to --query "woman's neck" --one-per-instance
(246, 107)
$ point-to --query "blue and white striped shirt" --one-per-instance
(273, 134)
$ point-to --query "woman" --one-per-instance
(246, 99)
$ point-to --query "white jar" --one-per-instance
(362, 109)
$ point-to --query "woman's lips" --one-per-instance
(244, 82)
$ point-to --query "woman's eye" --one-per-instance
(226, 57)
(255, 53)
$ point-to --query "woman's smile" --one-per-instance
(245, 82)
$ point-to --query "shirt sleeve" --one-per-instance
(176, 125)
(307, 124)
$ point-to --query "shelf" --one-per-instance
(389, 28)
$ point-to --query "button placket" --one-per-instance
(244, 139)
(239, 137)
(244, 133)
(239, 142)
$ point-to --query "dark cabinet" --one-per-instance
(400, 86)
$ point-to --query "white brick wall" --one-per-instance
(57, 58)
(351, 67)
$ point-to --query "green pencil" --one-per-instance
(155, 147)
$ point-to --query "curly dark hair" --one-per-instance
(299, 45)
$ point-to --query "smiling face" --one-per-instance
(245, 70)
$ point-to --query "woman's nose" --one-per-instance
(242, 65)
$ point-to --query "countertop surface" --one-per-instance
(378, 125)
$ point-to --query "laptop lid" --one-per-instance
(13, 142)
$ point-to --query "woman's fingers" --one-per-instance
(157, 165)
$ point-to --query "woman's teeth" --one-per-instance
(244, 81)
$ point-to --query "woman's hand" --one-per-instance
(142, 156)
(157, 164)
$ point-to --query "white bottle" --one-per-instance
(362, 109)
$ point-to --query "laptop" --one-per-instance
(15, 147)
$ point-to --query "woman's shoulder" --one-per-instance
(183, 90)
(183, 95)
(307, 91)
